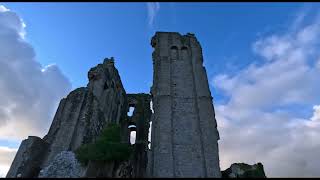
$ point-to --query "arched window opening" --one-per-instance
(132, 137)
(184, 53)
(174, 52)
(132, 127)
(131, 110)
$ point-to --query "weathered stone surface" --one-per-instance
(115, 169)
(184, 129)
(86, 110)
(242, 170)
(81, 116)
(28, 158)
(141, 118)
(64, 165)
(126, 170)
(135, 166)
(62, 136)
(100, 169)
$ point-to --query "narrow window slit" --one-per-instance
(149, 135)
(130, 113)
(151, 106)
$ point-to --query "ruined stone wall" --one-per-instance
(184, 133)
(87, 110)
(28, 159)
(135, 166)
(184, 129)
(141, 118)
(82, 115)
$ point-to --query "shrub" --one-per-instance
(107, 147)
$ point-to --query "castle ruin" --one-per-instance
(184, 140)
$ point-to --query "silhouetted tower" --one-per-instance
(185, 138)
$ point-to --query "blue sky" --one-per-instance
(77, 36)
(261, 61)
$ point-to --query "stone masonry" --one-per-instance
(82, 115)
(184, 128)
(184, 135)
(79, 119)
(28, 159)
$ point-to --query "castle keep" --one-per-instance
(184, 135)
(184, 129)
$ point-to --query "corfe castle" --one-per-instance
(90, 133)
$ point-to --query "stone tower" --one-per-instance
(185, 138)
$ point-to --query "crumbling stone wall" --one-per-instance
(141, 117)
(28, 159)
(135, 166)
(64, 165)
(242, 170)
(87, 110)
(184, 129)
(80, 117)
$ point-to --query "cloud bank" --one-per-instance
(29, 92)
(272, 112)
(6, 157)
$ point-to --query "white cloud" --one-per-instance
(3, 170)
(3, 9)
(29, 93)
(153, 8)
(261, 120)
(316, 113)
(6, 157)
(7, 154)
